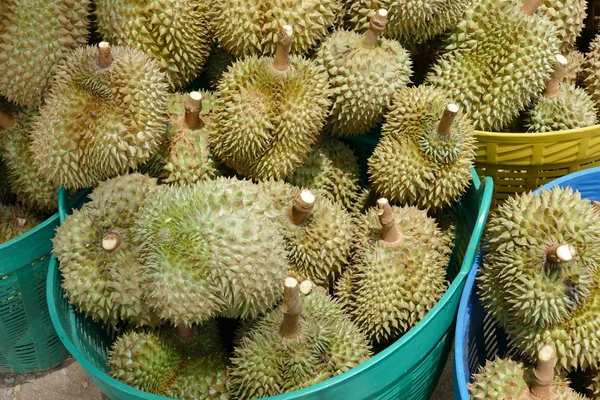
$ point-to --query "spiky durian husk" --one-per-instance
(567, 16)
(391, 286)
(14, 221)
(106, 285)
(97, 124)
(591, 71)
(496, 61)
(157, 361)
(6, 195)
(413, 164)
(367, 198)
(25, 183)
(266, 364)
(409, 21)
(320, 247)
(174, 32)
(211, 249)
(266, 121)
(250, 28)
(218, 63)
(593, 379)
(333, 168)
(575, 68)
(34, 37)
(362, 80)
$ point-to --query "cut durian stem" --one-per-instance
(560, 253)
(444, 128)
(560, 69)
(283, 48)
(193, 106)
(303, 204)
(543, 373)
(111, 242)
(104, 55)
(306, 287)
(531, 6)
(184, 332)
(6, 120)
(20, 223)
(378, 23)
(387, 220)
(291, 308)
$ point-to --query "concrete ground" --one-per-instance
(69, 382)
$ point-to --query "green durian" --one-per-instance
(35, 36)
(250, 28)
(496, 61)
(211, 249)
(332, 168)
(105, 114)
(7, 197)
(306, 341)
(174, 32)
(364, 73)
(15, 220)
(562, 106)
(427, 151)
(269, 112)
(158, 361)
(398, 272)
(410, 21)
(505, 379)
(218, 63)
(568, 17)
(575, 65)
(591, 71)
(366, 199)
(99, 254)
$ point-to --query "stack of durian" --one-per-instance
(239, 206)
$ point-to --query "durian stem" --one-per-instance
(560, 253)
(184, 332)
(283, 48)
(387, 220)
(193, 106)
(6, 120)
(111, 242)
(104, 55)
(303, 204)
(291, 308)
(444, 128)
(544, 373)
(560, 69)
(531, 6)
(378, 23)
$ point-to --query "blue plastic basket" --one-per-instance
(478, 337)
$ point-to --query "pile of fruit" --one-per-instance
(229, 236)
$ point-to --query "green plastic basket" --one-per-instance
(407, 369)
(29, 342)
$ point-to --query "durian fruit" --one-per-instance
(562, 106)
(332, 168)
(567, 16)
(105, 114)
(304, 342)
(218, 63)
(591, 72)
(410, 21)
(269, 112)
(162, 362)
(7, 197)
(427, 152)
(211, 249)
(364, 73)
(505, 379)
(496, 61)
(174, 32)
(575, 65)
(99, 254)
(14, 221)
(251, 28)
(34, 37)
(398, 272)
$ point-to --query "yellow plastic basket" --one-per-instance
(520, 162)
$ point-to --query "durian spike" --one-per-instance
(193, 106)
(20, 223)
(303, 204)
(560, 253)
(184, 332)
(560, 69)
(444, 128)
(283, 48)
(111, 242)
(6, 120)
(387, 220)
(596, 205)
(544, 373)
(378, 23)
(291, 309)
(531, 6)
(104, 55)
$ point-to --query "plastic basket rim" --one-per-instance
(465, 268)
(526, 137)
(460, 379)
